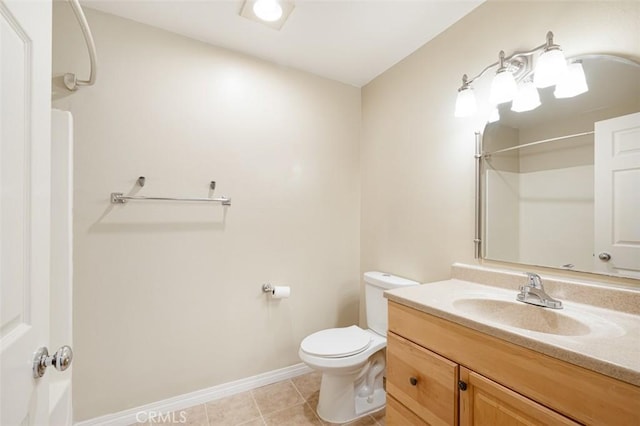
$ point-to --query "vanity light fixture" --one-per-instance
(552, 65)
(466, 101)
(495, 115)
(550, 69)
(503, 86)
(527, 98)
(573, 83)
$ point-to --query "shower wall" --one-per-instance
(167, 296)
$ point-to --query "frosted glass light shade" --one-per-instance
(527, 98)
(465, 103)
(573, 83)
(267, 10)
(503, 88)
(495, 115)
(551, 67)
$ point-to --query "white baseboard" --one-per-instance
(181, 402)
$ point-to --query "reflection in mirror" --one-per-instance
(561, 183)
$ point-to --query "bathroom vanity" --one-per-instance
(462, 352)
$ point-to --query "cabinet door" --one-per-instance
(422, 381)
(485, 402)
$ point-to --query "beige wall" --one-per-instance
(417, 159)
(167, 297)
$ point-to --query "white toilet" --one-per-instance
(352, 360)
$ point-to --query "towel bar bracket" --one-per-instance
(116, 198)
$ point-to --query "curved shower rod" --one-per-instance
(70, 79)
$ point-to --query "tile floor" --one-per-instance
(290, 402)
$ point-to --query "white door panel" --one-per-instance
(25, 90)
(617, 195)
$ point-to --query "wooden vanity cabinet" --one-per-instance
(401, 415)
(441, 373)
(485, 402)
(423, 381)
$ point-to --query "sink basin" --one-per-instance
(524, 316)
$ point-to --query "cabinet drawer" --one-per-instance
(399, 415)
(422, 381)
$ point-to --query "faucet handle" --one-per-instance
(534, 280)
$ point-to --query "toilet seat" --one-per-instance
(344, 364)
(336, 342)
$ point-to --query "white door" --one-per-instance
(617, 195)
(25, 110)
(60, 334)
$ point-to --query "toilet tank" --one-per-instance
(375, 283)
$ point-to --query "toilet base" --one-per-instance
(339, 404)
(347, 397)
(372, 403)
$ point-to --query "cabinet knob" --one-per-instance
(413, 381)
(462, 385)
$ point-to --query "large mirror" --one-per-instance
(560, 184)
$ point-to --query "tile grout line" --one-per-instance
(304, 401)
(376, 420)
(315, 413)
(258, 407)
(206, 413)
(307, 402)
(298, 390)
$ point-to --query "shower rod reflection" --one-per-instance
(120, 198)
(526, 145)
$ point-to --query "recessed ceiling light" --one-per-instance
(267, 10)
(272, 13)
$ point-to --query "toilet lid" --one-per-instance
(336, 342)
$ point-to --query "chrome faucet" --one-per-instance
(534, 294)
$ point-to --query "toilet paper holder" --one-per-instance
(277, 291)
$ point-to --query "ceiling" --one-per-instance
(351, 41)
